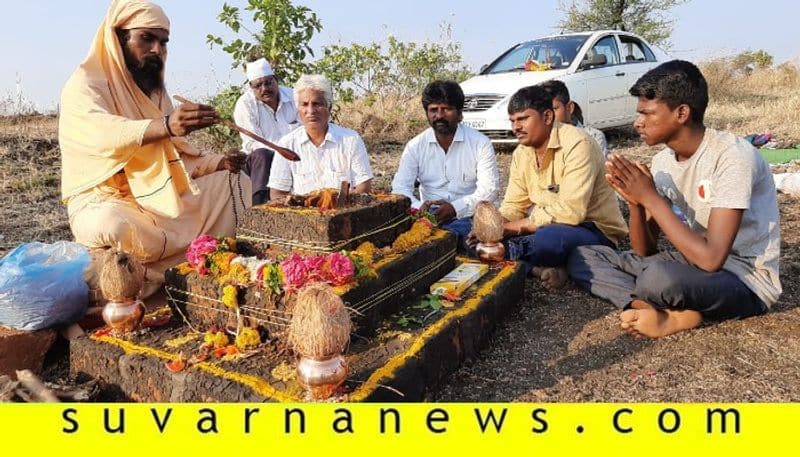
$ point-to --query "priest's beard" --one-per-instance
(148, 74)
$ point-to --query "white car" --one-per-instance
(598, 68)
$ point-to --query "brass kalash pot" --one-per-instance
(124, 317)
(322, 377)
(121, 280)
(490, 252)
(319, 333)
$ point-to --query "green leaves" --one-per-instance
(406, 321)
(391, 69)
(432, 302)
(278, 31)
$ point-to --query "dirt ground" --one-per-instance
(563, 347)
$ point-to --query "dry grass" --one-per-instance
(767, 100)
(389, 119)
(30, 175)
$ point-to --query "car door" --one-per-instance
(605, 84)
(637, 59)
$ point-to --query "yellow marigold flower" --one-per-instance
(248, 339)
(418, 233)
(221, 263)
(366, 251)
(216, 339)
(177, 342)
(239, 274)
(229, 296)
(184, 269)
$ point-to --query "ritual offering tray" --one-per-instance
(408, 356)
(325, 223)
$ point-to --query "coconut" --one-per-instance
(321, 325)
(121, 276)
(487, 223)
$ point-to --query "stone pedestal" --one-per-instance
(398, 363)
(296, 228)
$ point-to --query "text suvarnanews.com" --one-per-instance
(394, 421)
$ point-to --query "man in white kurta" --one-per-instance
(329, 154)
(454, 164)
(266, 109)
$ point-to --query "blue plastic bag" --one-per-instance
(42, 285)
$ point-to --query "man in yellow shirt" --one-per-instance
(557, 197)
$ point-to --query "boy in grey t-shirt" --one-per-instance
(710, 194)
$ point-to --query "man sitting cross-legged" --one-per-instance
(557, 198)
(711, 194)
(453, 163)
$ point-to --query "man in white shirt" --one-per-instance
(454, 164)
(329, 154)
(267, 110)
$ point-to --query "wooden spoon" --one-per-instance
(288, 154)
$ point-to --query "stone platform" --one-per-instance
(409, 356)
(399, 279)
(20, 350)
(379, 221)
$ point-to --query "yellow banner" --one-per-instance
(155, 430)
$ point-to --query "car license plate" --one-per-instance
(475, 123)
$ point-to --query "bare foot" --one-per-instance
(553, 278)
(653, 323)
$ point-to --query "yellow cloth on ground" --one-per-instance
(120, 193)
(568, 187)
(104, 116)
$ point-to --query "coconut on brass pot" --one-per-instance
(488, 226)
(121, 280)
(319, 333)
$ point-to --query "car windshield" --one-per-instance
(554, 52)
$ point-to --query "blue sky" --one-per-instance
(43, 41)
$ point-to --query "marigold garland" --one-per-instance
(419, 232)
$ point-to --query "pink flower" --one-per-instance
(201, 247)
(295, 271)
(314, 267)
(340, 269)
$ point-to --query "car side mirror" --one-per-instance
(483, 68)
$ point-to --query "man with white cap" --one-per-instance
(267, 110)
(129, 178)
